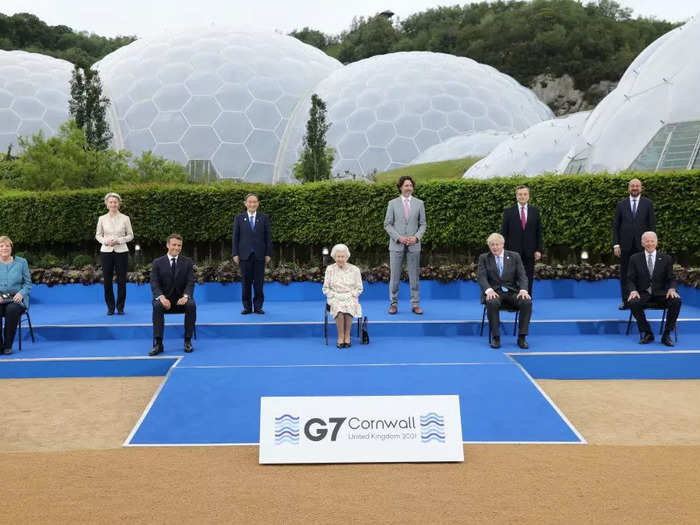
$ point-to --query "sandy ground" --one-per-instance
(53, 478)
(631, 412)
(71, 413)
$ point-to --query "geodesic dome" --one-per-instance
(651, 121)
(387, 109)
(220, 97)
(536, 150)
(34, 95)
(477, 144)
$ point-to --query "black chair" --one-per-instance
(663, 320)
(326, 309)
(194, 332)
(503, 308)
(19, 328)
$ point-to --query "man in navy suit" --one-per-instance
(252, 249)
(501, 276)
(633, 216)
(522, 229)
(172, 285)
(650, 282)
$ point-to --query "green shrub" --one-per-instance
(81, 260)
(577, 212)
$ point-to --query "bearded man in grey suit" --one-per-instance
(405, 223)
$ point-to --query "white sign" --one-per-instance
(360, 429)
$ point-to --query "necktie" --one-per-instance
(650, 264)
(173, 265)
(251, 220)
(522, 216)
(634, 207)
(499, 263)
(406, 209)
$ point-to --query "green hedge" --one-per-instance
(576, 211)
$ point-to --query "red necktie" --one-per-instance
(522, 216)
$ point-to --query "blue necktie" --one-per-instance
(251, 220)
(634, 207)
(499, 263)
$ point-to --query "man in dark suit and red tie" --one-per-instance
(650, 281)
(502, 279)
(172, 285)
(252, 249)
(633, 216)
(522, 229)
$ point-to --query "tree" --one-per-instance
(88, 107)
(316, 159)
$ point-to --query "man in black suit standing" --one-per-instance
(501, 276)
(172, 285)
(633, 216)
(252, 249)
(651, 282)
(522, 229)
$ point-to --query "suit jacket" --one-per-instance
(247, 241)
(172, 287)
(628, 229)
(525, 242)
(396, 224)
(660, 281)
(514, 277)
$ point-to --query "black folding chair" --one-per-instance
(503, 308)
(19, 328)
(326, 309)
(194, 332)
(663, 320)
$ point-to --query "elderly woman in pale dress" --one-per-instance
(342, 286)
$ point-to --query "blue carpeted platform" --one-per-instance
(212, 395)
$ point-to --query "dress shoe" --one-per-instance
(623, 306)
(188, 347)
(522, 342)
(666, 339)
(393, 309)
(259, 311)
(157, 349)
(347, 345)
(340, 345)
(246, 311)
(110, 312)
(647, 338)
(120, 312)
(495, 342)
(416, 310)
(7, 351)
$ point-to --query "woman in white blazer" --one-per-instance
(113, 232)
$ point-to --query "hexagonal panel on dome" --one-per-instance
(425, 97)
(37, 88)
(232, 86)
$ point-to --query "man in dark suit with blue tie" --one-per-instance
(252, 249)
(172, 285)
(522, 229)
(633, 216)
(650, 281)
(501, 276)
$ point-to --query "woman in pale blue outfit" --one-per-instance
(342, 287)
(15, 283)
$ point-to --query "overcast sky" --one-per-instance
(144, 17)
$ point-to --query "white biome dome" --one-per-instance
(477, 144)
(536, 150)
(219, 97)
(651, 121)
(34, 95)
(385, 110)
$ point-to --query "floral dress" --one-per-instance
(342, 287)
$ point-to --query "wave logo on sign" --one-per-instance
(432, 428)
(286, 430)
